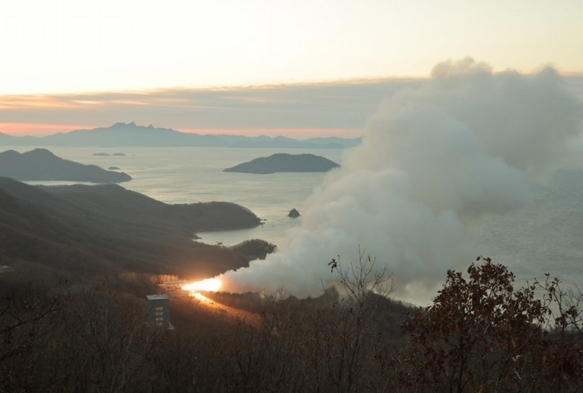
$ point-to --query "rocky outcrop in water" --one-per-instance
(293, 213)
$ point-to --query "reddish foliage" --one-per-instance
(483, 335)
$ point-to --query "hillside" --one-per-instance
(285, 163)
(42, 165)
(107, 229)
(73, 313)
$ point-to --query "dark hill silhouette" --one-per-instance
(106, 229)
(283, 162)
(113, 202)
(41, 164)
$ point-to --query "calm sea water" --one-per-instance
(545, 237)
(188, 175)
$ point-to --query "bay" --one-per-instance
(544, 237)
(189, 175)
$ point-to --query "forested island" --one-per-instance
(283, 162)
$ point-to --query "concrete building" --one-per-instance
(159, 312)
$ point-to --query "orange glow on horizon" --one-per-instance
(207, 285)
(39, 129)
(43, 129)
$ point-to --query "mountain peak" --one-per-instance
(39, 152)
(122, 124)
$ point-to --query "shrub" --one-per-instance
(483, 335)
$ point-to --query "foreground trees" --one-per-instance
(479, 335)
(71, 339)
(483, 335)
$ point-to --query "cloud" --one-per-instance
(338, 106)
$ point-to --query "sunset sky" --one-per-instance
(189, 65)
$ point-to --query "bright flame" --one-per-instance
(201, 298)
(208, 285)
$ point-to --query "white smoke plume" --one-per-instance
(435, 157)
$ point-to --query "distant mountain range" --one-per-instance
(41, 164)
(130, 134)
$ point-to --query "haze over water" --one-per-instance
(189, 175)
(544, 237)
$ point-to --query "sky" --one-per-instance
(249, 66)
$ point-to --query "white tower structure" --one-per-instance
(159, 312)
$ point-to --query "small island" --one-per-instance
(283, 162)
(101, 154)
(42, 165)
(293, 213)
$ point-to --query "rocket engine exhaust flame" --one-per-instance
(206, 285)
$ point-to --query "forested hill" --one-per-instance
(106, 229)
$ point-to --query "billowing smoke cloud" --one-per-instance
(435, 158)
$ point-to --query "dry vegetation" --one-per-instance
(480, 335)
(73, 315)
